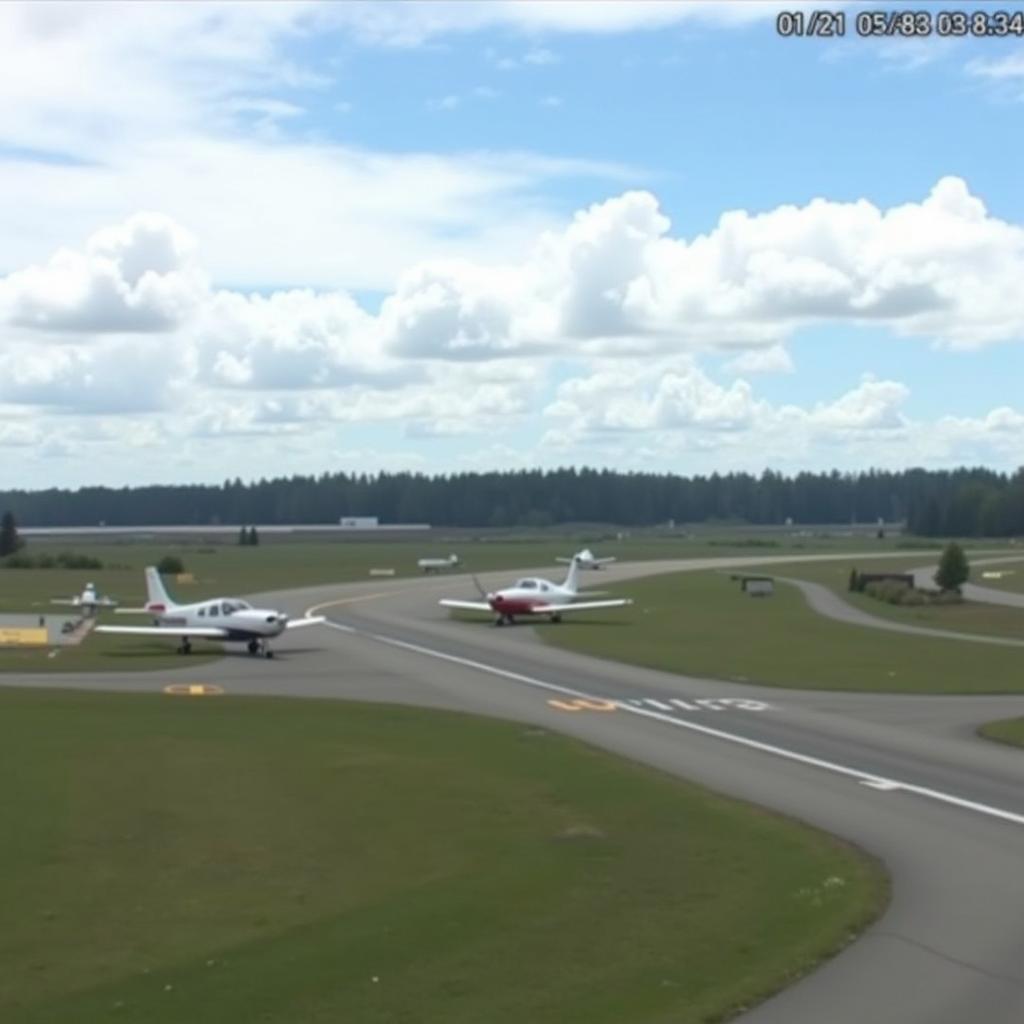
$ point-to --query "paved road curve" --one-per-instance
(903, 776)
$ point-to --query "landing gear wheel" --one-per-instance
(500, 620)
(253, 646)
(556, 617)
(185, 648)
(268, 653)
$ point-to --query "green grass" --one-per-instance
(700, 623)
(1004, 730)
(966, 617)
(228, 860)
(1013, 582)
(223, 568)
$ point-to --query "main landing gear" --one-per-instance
(185, 647)
(256, 647)
(502, 619)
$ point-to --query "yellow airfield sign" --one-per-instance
(27, 637)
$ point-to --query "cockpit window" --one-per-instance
(527, 584)
(227, 607)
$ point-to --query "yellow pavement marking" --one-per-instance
(314, 609)
(581, 704)
(193, 690)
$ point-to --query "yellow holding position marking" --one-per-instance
(580, 704)
(193, 690)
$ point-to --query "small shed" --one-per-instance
(757, 586)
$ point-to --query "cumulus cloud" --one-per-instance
(136, 276)
(615, 280)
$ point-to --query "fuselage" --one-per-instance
(527, 594)
(239, 618)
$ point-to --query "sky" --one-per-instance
(252, 240)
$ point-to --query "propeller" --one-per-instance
(479, 588)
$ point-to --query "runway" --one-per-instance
(902, 776)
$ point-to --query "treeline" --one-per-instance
(962, 502)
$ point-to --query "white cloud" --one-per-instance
(138, 276)
(1010, 66)
(764, 360)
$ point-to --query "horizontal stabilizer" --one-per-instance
(310, 621)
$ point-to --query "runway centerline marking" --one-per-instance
(877, 782)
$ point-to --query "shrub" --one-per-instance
(889, 591)
(912, 598)
(170, 565)
(948, 597)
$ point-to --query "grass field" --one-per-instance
(700, 623)
(240, 860)
(224, 568)
(1005, 730)
(1013, 581)
(967, 617)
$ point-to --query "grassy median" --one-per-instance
(219, 860)
(1004, 730)
(702, 624)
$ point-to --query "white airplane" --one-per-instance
(229, 619)
(585, 560)
(88, 600)
(438, 564)
(533, 596)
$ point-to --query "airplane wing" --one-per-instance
(298, 623)
(132, 611)
(213, 632)
(567, 561)
(604, 561)
(64, 600)
(473, 606)
(581, 606)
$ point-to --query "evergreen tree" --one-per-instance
(854, 583)
(9, 541)
(243, 537)
(953, 569)
(254, 537)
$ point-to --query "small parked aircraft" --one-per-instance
(533, 596)
(229, 619)
(438, 564)
(88, 600)
(585, 560)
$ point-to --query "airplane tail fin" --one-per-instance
(157, 598)
(572, 578)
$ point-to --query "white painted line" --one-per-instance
(683, 705)
(659, 704)
(867, 778)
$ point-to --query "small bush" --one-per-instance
(912, 598)
(170, 565)
(948, 597)
(71, 560)
(889, 591)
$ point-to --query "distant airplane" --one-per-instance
(533, 596)
(585, 560)
(88, 600)
(229, 619)
(438, 564)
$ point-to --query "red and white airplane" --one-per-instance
(228, 619)
(534, 596)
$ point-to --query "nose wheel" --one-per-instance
(259, 647)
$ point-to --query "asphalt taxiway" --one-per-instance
(902, 776)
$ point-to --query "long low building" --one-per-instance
(104, 530)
